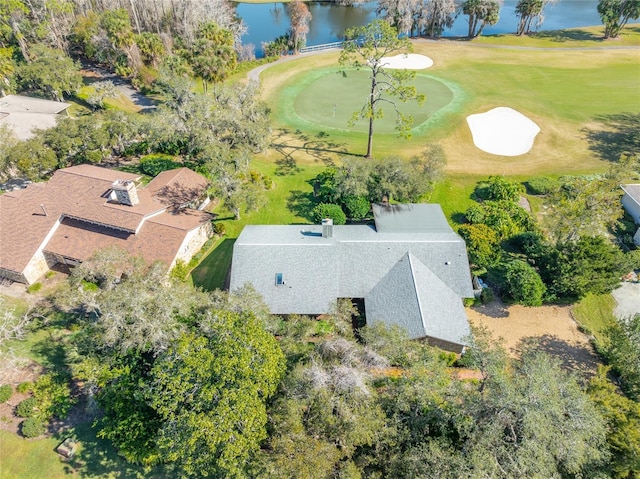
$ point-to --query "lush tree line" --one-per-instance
(196, 384)
(131, 38)
(567, 256)
(433, 17)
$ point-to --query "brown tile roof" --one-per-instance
(28, 216)
(79, 240)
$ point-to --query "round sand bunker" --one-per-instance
(407, 61)
(503, 131)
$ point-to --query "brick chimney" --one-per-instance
(126, 192)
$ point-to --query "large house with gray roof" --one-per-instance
(410, 268)
(85, 208)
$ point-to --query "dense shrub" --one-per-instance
(27, 408)
(329, 210)
(23, 388)
(483, 244)
(6, 391)
(357, 207)
(34, 288)
(153, 165)
(542, 185)
(33, 427)
(180, 271)
(219, 229)
(486, 296)
(53, 397)
(523, 283)
(504, 217)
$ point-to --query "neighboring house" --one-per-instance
(84, 208)
(411, 269)
(23, 114)
(631, 203)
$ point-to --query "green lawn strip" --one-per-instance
(584, 37)
(595, 314)
(36, 458)
(454, 195)
(289, 202)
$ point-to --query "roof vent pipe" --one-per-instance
(327, 228)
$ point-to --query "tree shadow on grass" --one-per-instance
(289, 143)
(575, 357)
(619, 135)
(301, 203)
(97, 457)
(568, 35)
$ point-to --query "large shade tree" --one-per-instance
(366, 47)
(530, 14)
(481, 13)
(616, 13)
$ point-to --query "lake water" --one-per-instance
(266, 21)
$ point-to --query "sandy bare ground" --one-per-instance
(550, 328)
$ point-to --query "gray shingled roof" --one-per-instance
(633, 190)
(414, 298)
(316, 270)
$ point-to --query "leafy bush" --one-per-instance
(542, 185)
(88, 286)
(33, 427)
(483, 244)
(53, 397)
(357, 207)
(23, 388)
(34, 288)
(499, 188)
(486, 296)
(6, 391)
(523, 283)
(329, 210)
(153, 165)
(27, 408)
(180, 271)
(219, 229)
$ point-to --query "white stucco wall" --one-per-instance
(632, 207)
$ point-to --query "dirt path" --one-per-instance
(551, 327)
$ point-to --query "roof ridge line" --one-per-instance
(415, 289)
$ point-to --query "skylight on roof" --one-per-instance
(279, 279)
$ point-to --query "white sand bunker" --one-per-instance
(503, 131)
(407, 61)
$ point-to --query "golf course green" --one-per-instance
(329, 97)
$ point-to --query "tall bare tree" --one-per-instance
(300, 17)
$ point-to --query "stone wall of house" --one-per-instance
(36, 268)
(193, 242)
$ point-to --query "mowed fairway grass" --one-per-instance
(569, 93)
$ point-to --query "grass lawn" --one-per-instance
(595, 312)
(571, 93)
(37, 459)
